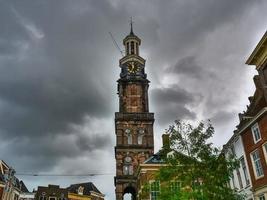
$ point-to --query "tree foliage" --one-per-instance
(192, 162)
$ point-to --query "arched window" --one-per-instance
(132, 47)
(128, 48)
(129, 136)
(127, 166)
(141, 133)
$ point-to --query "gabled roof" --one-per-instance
(154, 159)
(18, 184)
(3, 166)
(88, 188)
(23, 187)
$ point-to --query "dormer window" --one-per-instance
(129, 136)
(80, 190)
(256, 133)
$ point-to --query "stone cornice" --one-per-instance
(253, 120)
(259, 54)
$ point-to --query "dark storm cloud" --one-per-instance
(53, 83)
(222, 117)
(53, 79)
(172, 104)
(189, 67)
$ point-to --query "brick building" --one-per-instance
(253, 123)
(52, 192)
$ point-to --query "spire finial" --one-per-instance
(131, 24)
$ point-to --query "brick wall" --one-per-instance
(1, 192)
(250, 146)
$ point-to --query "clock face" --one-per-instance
(133, 67)
(128, 159)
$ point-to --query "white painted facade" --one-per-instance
(27, 196)
(240, 180)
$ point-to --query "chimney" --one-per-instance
(166, 141)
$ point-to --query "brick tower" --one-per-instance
(133, 122)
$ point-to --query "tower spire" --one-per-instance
(131, 24)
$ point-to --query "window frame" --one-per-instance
(128, 133)
(140, 137)
(265, 151)
(260, 196)
(240, 182)
(254, 164)
(175, 186)
(253, 128)
(245, 170)
(153, 194)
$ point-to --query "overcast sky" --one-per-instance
(58, 72)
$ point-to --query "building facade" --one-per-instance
(146, 174)
(52, 192)
(133, 122)
(240, 179)
(84, 191)
(253, 123)
(10, 187)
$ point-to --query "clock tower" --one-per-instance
(133, 122)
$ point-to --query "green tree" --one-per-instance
(195, 169)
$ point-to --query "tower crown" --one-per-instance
(132, 65)
(131, 43)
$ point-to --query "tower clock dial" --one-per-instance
(133, 67)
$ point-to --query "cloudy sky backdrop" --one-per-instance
(58, 72)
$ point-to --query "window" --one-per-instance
(52, 198)
(140, 136)
(257, 164)
(262, 197)
(129, 136)
(128, 48)
(265, 151)
(80, 190)
(233, 151)
(16, 197)
(244, 168)
(42, 198)
(128, 167)
(233, 181)
(132, 47)
(175, 186)
(154, 190)
(256, 133)
(239, 178)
